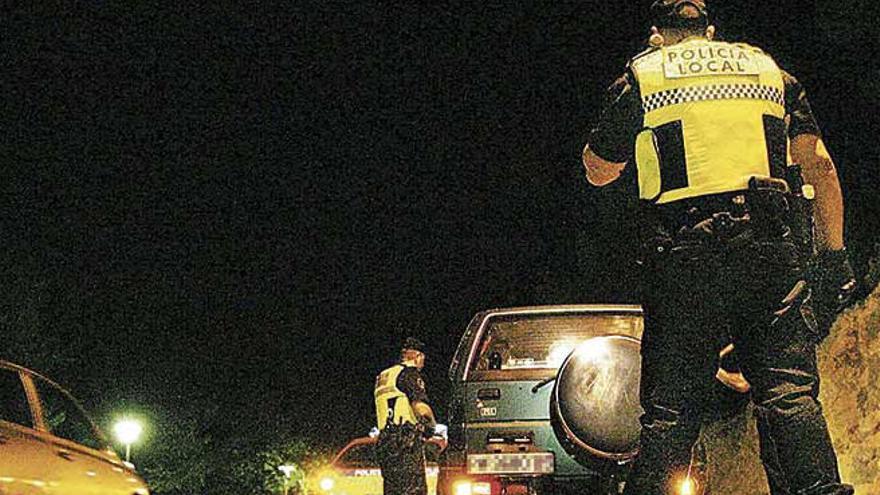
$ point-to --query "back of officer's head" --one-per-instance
(413, 351)
(688, 15)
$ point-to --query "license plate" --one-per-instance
(514, 463)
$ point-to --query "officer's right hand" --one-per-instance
(834, 283)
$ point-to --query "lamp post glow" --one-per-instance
(128, 431)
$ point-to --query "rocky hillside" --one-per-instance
(850, 365)
(849, 362)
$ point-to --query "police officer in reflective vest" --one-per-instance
(718, 135)
(404, 419)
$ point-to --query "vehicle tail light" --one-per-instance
(516, 489)
(470, 487)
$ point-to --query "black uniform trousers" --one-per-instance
(401, 455)
(703, 290)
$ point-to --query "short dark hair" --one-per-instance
(680, 14)
(413, 344)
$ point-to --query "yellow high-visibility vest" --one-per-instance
(713, 117)
(391, 403)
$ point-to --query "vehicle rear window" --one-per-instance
(13, 400)
(358, 456)
(524, 347)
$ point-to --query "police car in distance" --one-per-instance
(355, 470)
(544, 401)
(48, 445)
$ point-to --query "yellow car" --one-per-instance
(354, 470)
(49, 446)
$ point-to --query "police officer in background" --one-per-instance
(725, 248)
(405, 420)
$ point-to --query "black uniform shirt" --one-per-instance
(613, 137)
(410, 383)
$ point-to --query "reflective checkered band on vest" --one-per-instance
(712, 92)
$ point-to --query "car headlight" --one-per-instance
(327, 483)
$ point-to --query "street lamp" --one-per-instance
(127, 432)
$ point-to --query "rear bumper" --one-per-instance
(590, 482)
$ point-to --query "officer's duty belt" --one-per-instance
(688, 212)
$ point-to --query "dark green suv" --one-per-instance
(544, 400)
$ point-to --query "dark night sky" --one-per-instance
(249, 206)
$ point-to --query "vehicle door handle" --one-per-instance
(67, 456)
(489, 394)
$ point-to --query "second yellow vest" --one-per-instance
(392, 405)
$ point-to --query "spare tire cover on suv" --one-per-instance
(595, 403)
